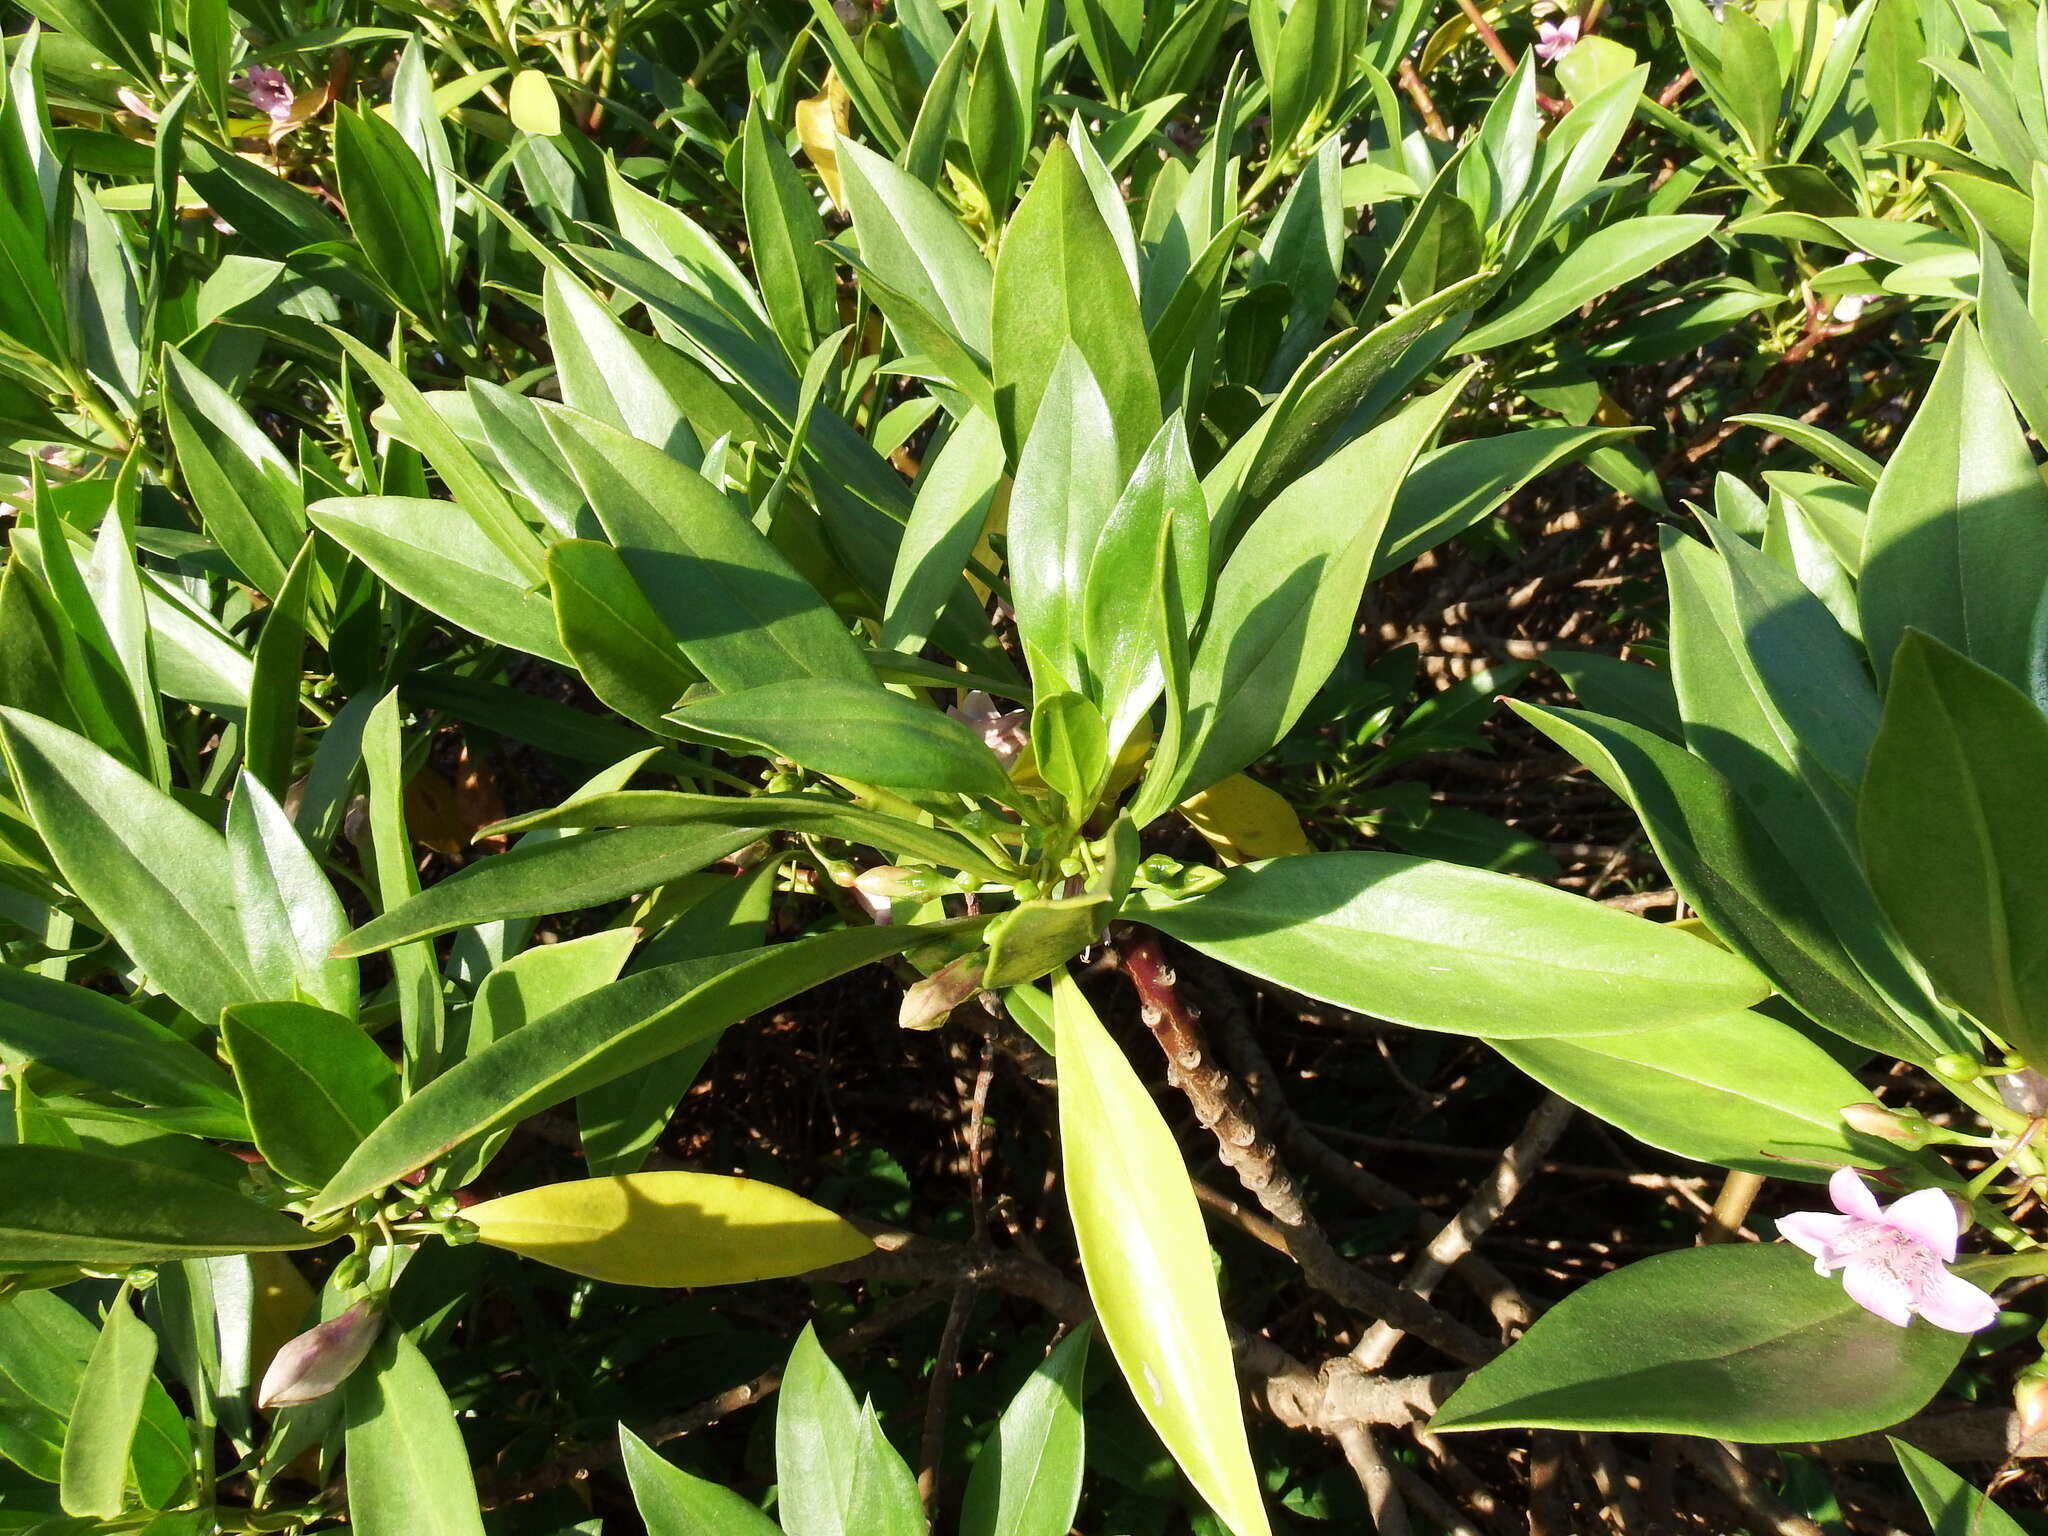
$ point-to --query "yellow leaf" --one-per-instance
(1146, 1258)
(669, 1229)
(277, 1309)
(532, 106)
(1243, 820)
(820, 120)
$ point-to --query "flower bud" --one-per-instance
(2025, 1091)
(1876, 1120)
(2030, 1400)
(320, 1359)
(1958, 1066)
(929, 1003)
(897, 882)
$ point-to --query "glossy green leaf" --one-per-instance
(741, 613)
(1729, 869)
(1439, 946)
(1027, 1479)
(617, 640)
(674, 1503)
(1740, 1090)
(408, 1471)
(1287, 600)
(120, 29)
(1069, 477)
(817, 1430)
(58, 1205)
(1957, 542)
(315, 1084)
(1598, 264)
(954, 495)
(391, 211)
(151, 871)
(291, 917)
(849, 731)
(565, 876)
(87, 1035)
(443, 562)
(618, 376)
(916, 245)
(1060, 280)
(107, 1413)
(247, 494)
(618, 1029)
(816, 814)
(1955, 853)
(475, 491)
(785, 240)
(1146, 1258)
(1953, 1507)
(1739, 1341)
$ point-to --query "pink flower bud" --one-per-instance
(1876, 1120)
(320, 1359)
(2030, 1400)
(929, 1003)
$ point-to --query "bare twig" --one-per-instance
(1727, 1471)
(1488, 1202)
(1382, 1496)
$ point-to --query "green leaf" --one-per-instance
(815, 814)
(1287, 601)
(534, 880)
(1956, 854)
(475, 491)
(1957, 542)
(1027, 1479)
(617, 640)
(270, 727)
(153, 874)
(1729, 868)
(391, 212)
(61, 1206)
(315, 1084)
(106, 1414)
(819, 1437)
(737, 607)
(1600, 263)
(1439, 946)
(1953, 1506)
(291, 917)
(1070, 472)
(785, 240)
(1740, 1090)
(626, 380)
(1145, 1255)
(673, 1503)
(1161, 506)
(954, 495)
(915, 244)
(444, 563)
(408, 1471)
(618, 1029)
(120, 29)
(845, 730)
(1060, 279)
(1739, 1341)
(1042, 934)
(246, 492)
(88, 1035)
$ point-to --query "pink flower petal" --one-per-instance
(1951, 1302)
(1851, 1195)
(1928, 1216)
(1817, 1232)
(1878, 1290)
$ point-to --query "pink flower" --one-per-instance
(1554, 41)
(1894, 1261)
(1001, 731)
(268, 91)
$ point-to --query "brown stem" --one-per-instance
(1225, 1110)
